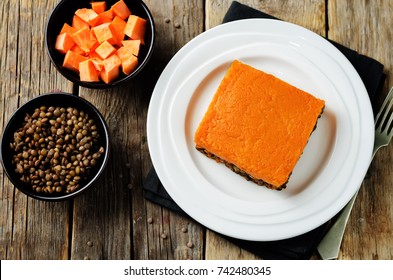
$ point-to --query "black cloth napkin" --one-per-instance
(300, 247)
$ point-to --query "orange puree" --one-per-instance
(258, 123)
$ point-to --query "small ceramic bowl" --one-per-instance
(64, 12)
(17, 121)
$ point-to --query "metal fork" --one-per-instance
(329, 247)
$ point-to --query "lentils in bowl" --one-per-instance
(55, 146)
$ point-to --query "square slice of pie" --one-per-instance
(258, 125)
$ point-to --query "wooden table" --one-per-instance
(111, 221)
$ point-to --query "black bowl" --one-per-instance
(17, 120)
(64, 12)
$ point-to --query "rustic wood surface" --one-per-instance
(114, 221)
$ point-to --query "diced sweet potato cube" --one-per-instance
(67, 29)
(64, 43)
(94, 55)
(129, 65)
(136, 28)
(72, 60)
(123, 53)
(105, 17)
(76, 49)
(134, 45)
(105, 49)
(98, 7)
(109, 76)
(112, 61)
(88, 72)
(118, 25)
(79, 23)
(84, 39)
(97, 64)
(104, 32)
(87, 15)
(129, 62)
(111, 68)
(121, 10)
(93, 48)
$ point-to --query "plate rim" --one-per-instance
(171, 64)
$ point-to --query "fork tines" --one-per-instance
(384, 119)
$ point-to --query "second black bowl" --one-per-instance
(17, 121)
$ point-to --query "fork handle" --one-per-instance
(329, 247)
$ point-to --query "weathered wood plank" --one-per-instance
(30, 229)
(8, 104)
(218, 248)
(365, 26)
(310, 14)
(112, 220)
(101, 217)
(125, 110)
(177, 22)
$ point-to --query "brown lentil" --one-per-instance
(55, 149)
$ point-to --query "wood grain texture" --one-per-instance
(101, 218)
(130, 163)
(113, 220)
(310, 14)
(218, 248)
(177, 22)
(29, 229)
(365, 26)
(8, 104)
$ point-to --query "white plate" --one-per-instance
(332, 166)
